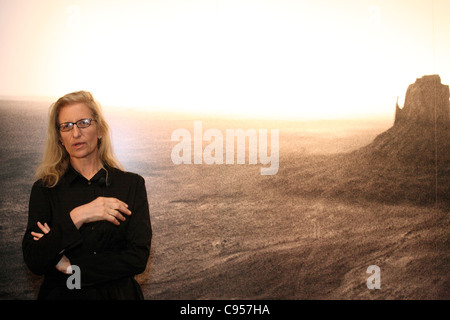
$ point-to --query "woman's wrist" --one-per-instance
(77, 220)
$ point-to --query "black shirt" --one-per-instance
(108, 256)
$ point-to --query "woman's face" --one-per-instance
(79, 142)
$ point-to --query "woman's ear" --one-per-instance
(99, 133)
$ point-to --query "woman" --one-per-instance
(85, 211)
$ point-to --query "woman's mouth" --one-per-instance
(78, 145)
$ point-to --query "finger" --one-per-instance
(118, 205)
(112, 219)
(43, 228)
(109, 215)
(121, 206)
(36, 235)
(116, 214)
(46, 225)
(121, 202)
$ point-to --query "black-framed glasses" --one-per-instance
(82, 123)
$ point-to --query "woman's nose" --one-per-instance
(76, 132)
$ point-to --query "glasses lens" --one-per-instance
(66, 126)
(83, 123)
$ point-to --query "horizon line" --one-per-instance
(382, 116)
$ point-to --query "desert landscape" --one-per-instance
(348, 195)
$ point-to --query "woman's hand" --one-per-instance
(64, 264)
(45, 229)
(109, 209)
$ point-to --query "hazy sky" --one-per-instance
(277, 58)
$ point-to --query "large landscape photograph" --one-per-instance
(291, 150)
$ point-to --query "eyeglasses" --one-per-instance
(82, 123)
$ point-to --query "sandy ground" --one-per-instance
(226, 232)
(258, 244)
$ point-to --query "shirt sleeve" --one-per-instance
(42, 255)
(105, 266)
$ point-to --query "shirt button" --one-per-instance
(89, 183)
(94, 252)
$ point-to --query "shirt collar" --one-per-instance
(72, 174)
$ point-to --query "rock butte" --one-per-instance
(421, 130)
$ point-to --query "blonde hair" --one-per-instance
(56, 159)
